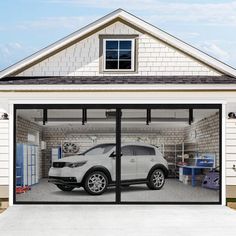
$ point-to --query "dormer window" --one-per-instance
(118, 54)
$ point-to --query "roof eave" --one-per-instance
(119, 87)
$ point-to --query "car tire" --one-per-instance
(96, 183)
(65, 188)
(156, 180)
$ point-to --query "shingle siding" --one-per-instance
(4, 153)
(155, 58)
(230, 151)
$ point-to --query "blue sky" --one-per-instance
(26, 26)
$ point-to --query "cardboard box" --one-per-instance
(187, 179)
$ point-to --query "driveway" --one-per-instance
(107, 220)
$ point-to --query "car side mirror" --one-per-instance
(113, 154)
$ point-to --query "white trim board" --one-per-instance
(120, 87)
(126, 16)
(115, 101)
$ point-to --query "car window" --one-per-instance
(100, 149)
(127, 150)
(144, 151)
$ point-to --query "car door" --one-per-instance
(146, 159)
(128, 163)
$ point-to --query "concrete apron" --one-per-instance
(117, 220)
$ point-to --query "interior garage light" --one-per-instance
(110, 114)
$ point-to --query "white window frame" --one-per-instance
(132, 54)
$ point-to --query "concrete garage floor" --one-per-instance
(173, 190)
(107, 220)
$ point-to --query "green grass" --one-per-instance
(230, 199)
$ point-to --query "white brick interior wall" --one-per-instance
(207, 138)
(23, 127)
(207, 135)
(85, 138)
(4, 152)
(155, 58)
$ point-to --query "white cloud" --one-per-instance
(12, 52)
(224, 50)
(216, 51)
(162, 11)
(72, 22)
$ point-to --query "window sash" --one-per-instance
(118, 52)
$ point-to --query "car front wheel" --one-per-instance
(156, 180)
(65, 188)
(96, 183)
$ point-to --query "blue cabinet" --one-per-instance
(26, 164)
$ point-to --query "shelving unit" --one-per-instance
(26, 165)
(174, 153)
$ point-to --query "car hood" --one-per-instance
(78, 158)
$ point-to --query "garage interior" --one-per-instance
(183, 136)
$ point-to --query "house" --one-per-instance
(133, 91)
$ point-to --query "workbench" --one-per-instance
(193, 168)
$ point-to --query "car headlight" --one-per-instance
(76, 164)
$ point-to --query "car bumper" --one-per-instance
(67, 174)
(68, 181)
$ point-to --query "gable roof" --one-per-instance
(135, 21)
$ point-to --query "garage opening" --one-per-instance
(163, 154)
(170, 155)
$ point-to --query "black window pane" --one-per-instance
(143, 151)
(127, 151)
(112, 44)
(111, 65)
(125, 65)
(111, 55)
(125, 55)
(125, 44)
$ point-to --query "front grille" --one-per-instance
(59, 164)
(65, 179)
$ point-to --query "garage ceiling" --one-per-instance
(131, 118)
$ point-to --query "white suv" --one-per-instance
(95, 169)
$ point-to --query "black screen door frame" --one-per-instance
(118, 120)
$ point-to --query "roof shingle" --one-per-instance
(79, 80)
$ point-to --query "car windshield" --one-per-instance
(99, 149)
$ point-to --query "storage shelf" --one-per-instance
(26, 160)
(173, 153)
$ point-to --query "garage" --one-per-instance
(127, 153)
(119, 112)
